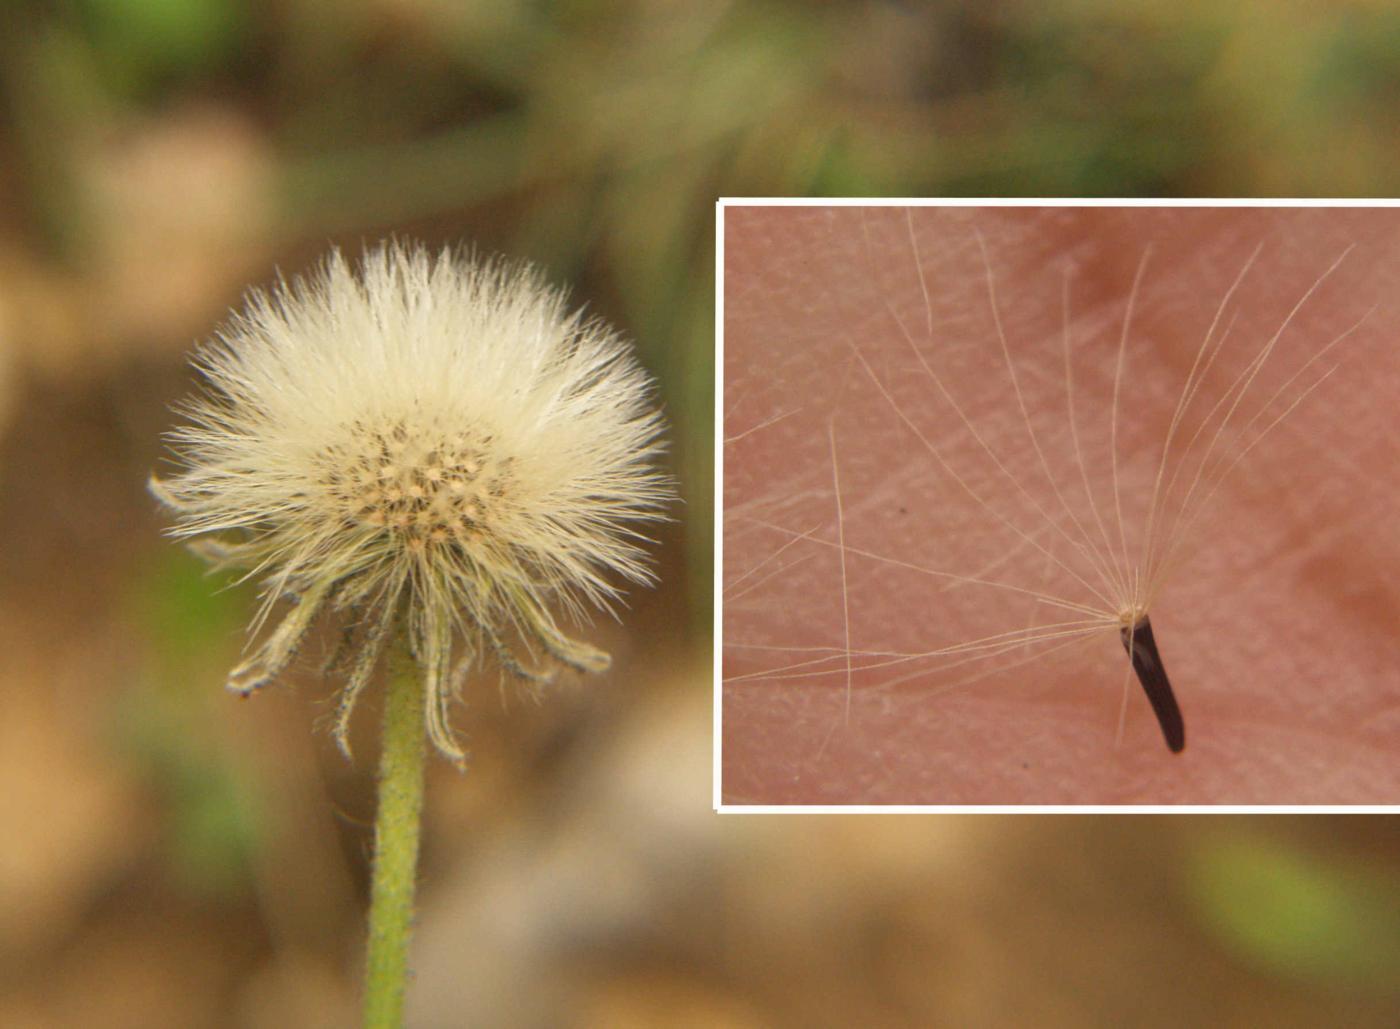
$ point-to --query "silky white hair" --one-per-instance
(431, 444)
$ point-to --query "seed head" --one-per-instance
(431, 445)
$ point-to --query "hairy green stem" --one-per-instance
(396, 829)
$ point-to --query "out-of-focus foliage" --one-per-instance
(1300, 914)
(184, 616)
(141, 48)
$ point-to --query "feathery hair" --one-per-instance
(428, 444)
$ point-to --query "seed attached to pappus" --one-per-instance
(1147, 663)
(1110, 542)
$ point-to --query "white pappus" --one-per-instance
(431, 443)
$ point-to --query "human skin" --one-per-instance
(1280, 624)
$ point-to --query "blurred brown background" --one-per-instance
(174, 858)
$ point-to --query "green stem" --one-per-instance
(396, 827)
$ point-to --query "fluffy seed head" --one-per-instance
(431, 444)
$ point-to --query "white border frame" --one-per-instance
(721, 205)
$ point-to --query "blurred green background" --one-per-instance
(176, 858)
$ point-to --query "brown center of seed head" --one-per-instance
(427, 489)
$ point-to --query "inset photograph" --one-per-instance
(1060, 505)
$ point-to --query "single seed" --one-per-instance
(1147, 663)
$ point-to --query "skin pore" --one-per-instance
(865, 374)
